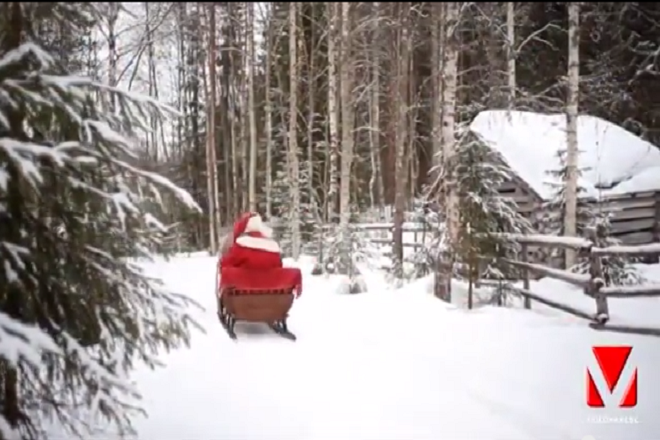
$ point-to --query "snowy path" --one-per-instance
(374, 367)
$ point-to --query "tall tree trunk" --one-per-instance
(450, 83)
(570, 219)
(269, 120)
(234, 109)
(332, 109)
(294, 166)
(210, 134)
(375, 182)
(311, 115)
(401, 109)
(252, 175)
(243, 102)
(347, 126)
(511, 53)
(213, 60)
(436, 61)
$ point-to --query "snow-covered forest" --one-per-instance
(134, 129)
(331, 108)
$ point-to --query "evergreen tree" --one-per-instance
(553, 211)
(76, 315)
(484, 213)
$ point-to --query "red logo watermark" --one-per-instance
(616, 374)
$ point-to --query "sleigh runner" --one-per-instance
(261, 296)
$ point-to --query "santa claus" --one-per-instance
(252, 247)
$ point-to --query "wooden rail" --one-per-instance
(592, 284)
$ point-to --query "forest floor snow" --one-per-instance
(388, 364)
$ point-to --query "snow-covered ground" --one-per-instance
(387, 365)
(610, 156)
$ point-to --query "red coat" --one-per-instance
(253, 251)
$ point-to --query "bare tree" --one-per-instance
(570, 219)
(511, 52)
(400, 103)
(436, 78)
(269, 120)
(210, 138)
(347, 120)
(294, 166)
(332, 108)
(375, 182)
(252, 175)
(449, 95)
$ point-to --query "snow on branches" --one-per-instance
(76, 312)
(478, 173)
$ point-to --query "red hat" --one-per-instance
(241, 224)
(251, 222)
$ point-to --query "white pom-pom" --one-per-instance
(256, 224)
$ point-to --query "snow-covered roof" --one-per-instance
(529, 142)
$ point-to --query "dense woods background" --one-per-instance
(336, 106)
(310, 113)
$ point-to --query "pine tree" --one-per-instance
(478, 173)
(553, 211)
(76, 315)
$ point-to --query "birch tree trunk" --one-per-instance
(269, 121)
(376, 182)
(234, 98)
(570, 219)
(400, 103)
(511, 53)
(243, 102)
(210, 134)
(450, 82)
(252, 175)
(213, 60)
(294, 167)
(332, 110)
(436, 61)
(347, 123)
(311, 116)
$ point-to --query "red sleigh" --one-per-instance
(257, 296)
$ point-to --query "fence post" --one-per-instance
(525, 274)
(442, 277)
(597, 281)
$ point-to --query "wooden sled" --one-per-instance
(259, 304)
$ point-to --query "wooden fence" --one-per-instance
(384, 233)
(593, 283)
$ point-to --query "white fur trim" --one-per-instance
(263, 244)
(256, 224)
(253, 224)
